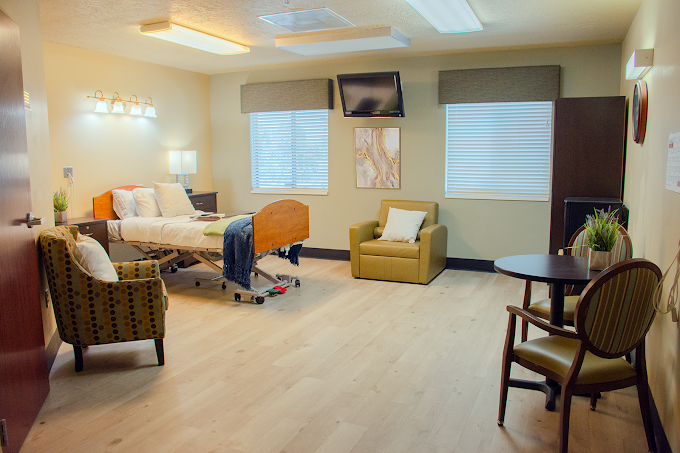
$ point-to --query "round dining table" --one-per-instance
(558, 271)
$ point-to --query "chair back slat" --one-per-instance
(615, 311)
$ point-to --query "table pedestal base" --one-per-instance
(549, 387)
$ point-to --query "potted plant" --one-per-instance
(602, 229)
(60, 200)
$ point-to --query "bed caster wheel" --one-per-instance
(198, 283)
(259, 300)
(174, 268)
(237, 297)
(224, 285)
(297, 283)
(255, 274)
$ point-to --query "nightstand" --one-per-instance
(204, 201)
(95, 228)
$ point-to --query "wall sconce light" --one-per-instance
(183, 163)
(639, 64)
(119, 105)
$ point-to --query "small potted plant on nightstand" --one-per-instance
(602, 229)
(60, 200)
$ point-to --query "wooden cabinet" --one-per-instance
(95, 228)
(204, 201)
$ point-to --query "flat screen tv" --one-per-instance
(371, 94)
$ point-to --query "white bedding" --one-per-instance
(180, 232)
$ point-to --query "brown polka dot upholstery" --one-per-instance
(90, 311)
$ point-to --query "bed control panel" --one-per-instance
(205, 201)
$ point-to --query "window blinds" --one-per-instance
(289, 151)
(498, 150)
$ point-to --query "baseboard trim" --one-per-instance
(451, 263)
(325, 254)
(52, 350)
(465, 264)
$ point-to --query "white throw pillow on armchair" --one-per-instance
(402, 225)
(93, 258)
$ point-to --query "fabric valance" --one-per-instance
(314, 94)
(518, 84)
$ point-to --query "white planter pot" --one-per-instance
(60, 217)
(598, 260)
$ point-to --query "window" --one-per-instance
(498, 150)
(289, 152)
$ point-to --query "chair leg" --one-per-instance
(78, 353)
(593, 401)
(159, 351)
(643, 397)
(505, 373)
(565, 411)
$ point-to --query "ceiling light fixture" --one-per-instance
(448, 16)
(639, 64)
(192, 38)
(119, 105)
(343, 40)
(309, 20)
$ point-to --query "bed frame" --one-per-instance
(279, 223)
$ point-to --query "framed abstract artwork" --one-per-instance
(378, 157)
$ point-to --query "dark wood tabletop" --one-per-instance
(561, 269)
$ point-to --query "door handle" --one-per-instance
(33, 221)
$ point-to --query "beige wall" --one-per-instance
(655, 211)
(26, 14)
(111, 150)
(478, 229)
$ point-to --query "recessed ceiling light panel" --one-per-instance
(339, 41)
(448, 16)
(178, 34)
(306, 21)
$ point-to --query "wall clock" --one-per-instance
(639, 111)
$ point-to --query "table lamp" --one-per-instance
(183, 163)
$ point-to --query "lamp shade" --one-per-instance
(136, 109)
(182, 162)
(118, 107)
(150, 112)
(101, 107)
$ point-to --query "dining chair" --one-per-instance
(613, 315)
(578, 246)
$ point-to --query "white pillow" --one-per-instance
(92, 256)
(402, 225)
(173, 200)
(124, 204)
(145, 201)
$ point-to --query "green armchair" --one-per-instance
(90, 311)
(418, 262)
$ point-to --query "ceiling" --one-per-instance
(112, 27)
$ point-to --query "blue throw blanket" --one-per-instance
(237, 251)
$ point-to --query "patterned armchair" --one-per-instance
(90, 311)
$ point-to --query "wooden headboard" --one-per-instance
(103, 204)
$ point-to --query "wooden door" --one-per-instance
(23, 365)
(588, 154)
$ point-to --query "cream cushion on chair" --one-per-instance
(402, 225)
(93, 258)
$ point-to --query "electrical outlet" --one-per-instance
(68, 172)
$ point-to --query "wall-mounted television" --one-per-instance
(371, 94)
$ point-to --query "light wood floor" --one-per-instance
(337, 365)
